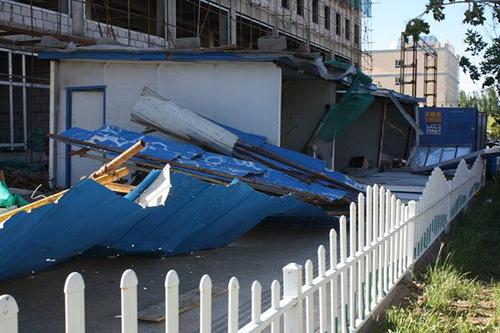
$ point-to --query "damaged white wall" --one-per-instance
(362, 138)
(303, 108)
(246, 96)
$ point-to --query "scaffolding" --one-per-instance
(335, 28)
(430, 77)
(409, 70)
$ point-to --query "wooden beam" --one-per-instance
(120, 188)
(119, 160)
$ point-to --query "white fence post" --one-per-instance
(172, 302)
(387, 243)
(411, 239)
(8, 314)
(256, 302)
(275, 303)
(128, 286)
(309, 274)
(381, 224)
(74, 302)
(333, 284)
(292, 288)
(343, 284)
(375, 250)
(322, 290)
(352, 266)
(233, 290)
(361, 261)
(205, 304)
(368, 258)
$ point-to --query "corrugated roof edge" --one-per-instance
(383, 92)
(284, 58)
(298, 61)
(119, 53)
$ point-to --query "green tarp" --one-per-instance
(8, 200)
(352, 105)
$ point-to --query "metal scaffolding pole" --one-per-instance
(11, 103)
(25, 112)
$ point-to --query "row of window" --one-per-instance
(143, 19)
(327, 19)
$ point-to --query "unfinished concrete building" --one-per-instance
(332, 27)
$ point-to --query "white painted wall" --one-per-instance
(246, 96)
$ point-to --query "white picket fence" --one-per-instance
(385, 238)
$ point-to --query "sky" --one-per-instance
(390, 17)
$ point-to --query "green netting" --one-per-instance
(352, 105)
(343, 66)
(364, 5)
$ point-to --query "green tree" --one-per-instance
(480, 13)
(487, 102)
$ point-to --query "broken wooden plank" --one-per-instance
(103, 180)
(119, 160)
(120, 188)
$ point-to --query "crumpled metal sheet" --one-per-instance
(191, 155)
(197, 215)
(85, 215)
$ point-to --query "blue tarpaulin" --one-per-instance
(197, 215)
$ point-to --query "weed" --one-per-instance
(460, 293)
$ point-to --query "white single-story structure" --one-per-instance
(280, 96)
(253, 92)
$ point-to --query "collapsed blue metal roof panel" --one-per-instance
(197, 215)
(53, 233)
(165, 149)
(119, 138)
(306, 161)
(115, 137)
(312, 163)
(282, 179)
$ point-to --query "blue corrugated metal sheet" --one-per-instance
(188, 154)
(304, 63)
(114, 137)
(53, 233)
(308, 163)
(449, 126)
(197, 215)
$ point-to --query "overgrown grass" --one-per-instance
(460, 293)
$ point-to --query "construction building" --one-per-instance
(388, 67)
(338, 29)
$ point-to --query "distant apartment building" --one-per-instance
(387, 69)
(330, 27)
